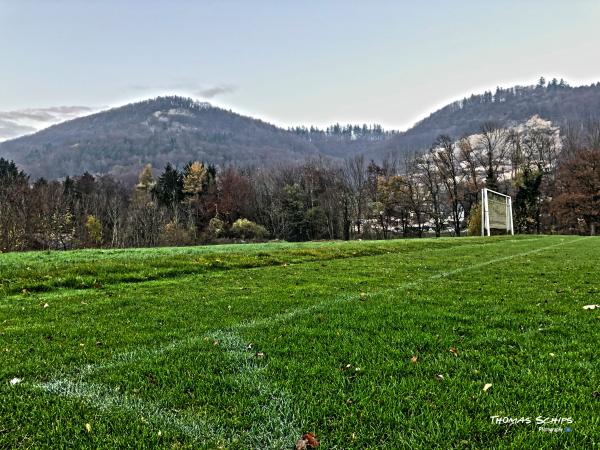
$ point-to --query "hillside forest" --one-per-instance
(552, 173)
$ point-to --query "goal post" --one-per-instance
(496, 212)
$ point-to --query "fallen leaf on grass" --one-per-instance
(46, 305)
(307, 441)
(15, 381)
(487, 386)
(439, 377)
(453, 351)
(414, 359)
(259, 355)
(591, 306)
(216, 342)
(88, 427)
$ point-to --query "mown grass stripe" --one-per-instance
(15, 277)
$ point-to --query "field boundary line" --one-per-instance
(104, 398)
(275, 406)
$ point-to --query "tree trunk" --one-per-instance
(347, 222)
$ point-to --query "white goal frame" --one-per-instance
(485, 212)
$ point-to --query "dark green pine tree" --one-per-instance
(168, 190)
(527, 200)
(10, 172)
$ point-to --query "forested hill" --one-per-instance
(176, 129)
(166, 129)
(555, 101)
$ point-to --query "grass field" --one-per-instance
(365, 344)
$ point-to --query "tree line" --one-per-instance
(372, 132)
(552, 174)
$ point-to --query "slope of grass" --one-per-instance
(366, 344)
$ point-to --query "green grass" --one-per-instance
(249, 346)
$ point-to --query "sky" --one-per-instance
(287, 62)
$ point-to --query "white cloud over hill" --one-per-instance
(25, 121)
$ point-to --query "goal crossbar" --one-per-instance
(499, 207)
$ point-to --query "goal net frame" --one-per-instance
(486, 226)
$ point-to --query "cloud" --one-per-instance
(24, 121)
(216, 90)
(194, 88)
(10, 130)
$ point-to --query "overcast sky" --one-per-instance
(299, 62)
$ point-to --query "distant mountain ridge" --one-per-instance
(161, 130)
(177, 129)
(555, 101)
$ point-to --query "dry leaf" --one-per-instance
(487, 386)
(216, 342)
(591, 306)
(88, 427)
(312, 440)
(259, 355)
(15, 381)
(439, 377)
(46, 305)
(413, 359)
(308, 441)
(453, 351)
